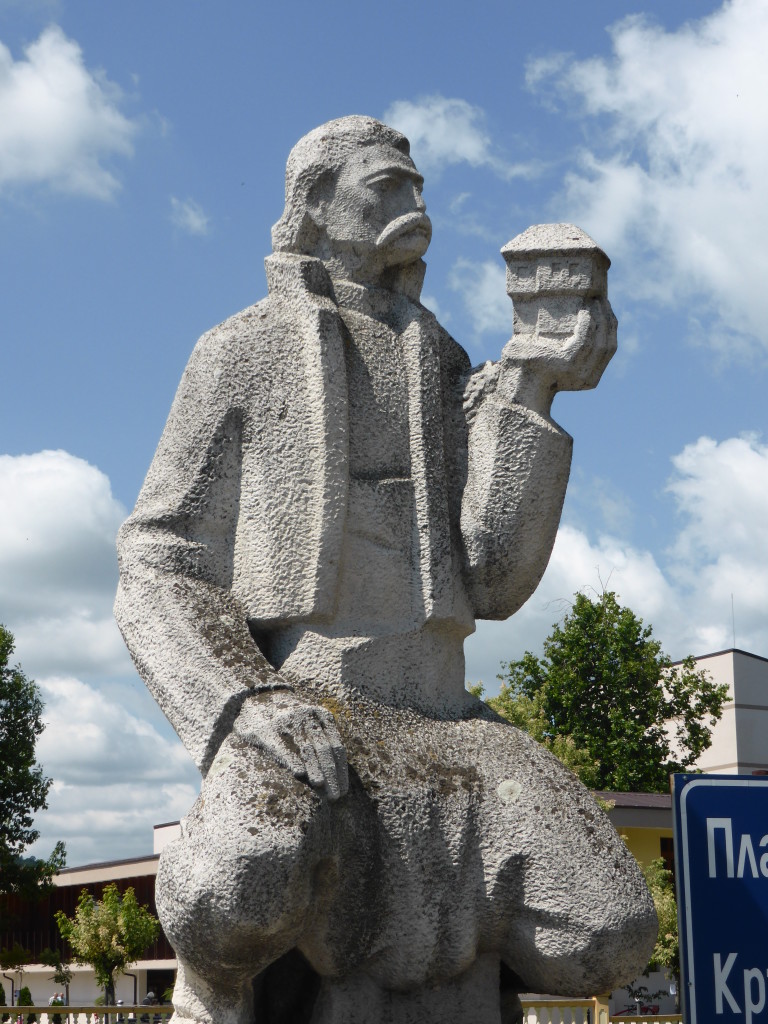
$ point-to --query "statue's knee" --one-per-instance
(238, 881)
(235, 894)
(600, 941)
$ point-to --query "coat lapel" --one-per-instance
(300, 286)
(425, 408)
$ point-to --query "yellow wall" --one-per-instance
(644, 842)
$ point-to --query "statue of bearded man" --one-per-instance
(337, 496)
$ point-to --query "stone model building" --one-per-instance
(337, 496)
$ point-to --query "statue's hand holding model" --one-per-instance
(337, 496)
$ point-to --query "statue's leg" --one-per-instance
(228, 1001)
(233, 892)
(565, 896)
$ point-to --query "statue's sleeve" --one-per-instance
(187, 634)
(516, 475)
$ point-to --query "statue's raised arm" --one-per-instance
(518, 458)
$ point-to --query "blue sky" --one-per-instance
(142, 151)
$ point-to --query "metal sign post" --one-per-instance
(721, 867)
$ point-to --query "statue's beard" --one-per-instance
(393, 261)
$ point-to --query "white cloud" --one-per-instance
(722, 491)
(576, 564)
(189, 216)
(482, 287)
(117, 767)
(106, 743)
(446, 131)
(59, 121)
(58, 567)
(110, 822)
(115, 775)
(678, 162)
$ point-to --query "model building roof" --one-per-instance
(551, 238)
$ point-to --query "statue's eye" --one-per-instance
(384, 183)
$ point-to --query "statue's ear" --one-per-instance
(312, 221)
(308, 233)
(319, 195)
(302, 227)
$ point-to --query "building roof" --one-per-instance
(726, 650)
(110, 863)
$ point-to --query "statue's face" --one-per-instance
(376, 213)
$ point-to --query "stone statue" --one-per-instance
(337, 496)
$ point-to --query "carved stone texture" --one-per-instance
(552, 269)
(336, 497)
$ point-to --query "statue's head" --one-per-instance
(353, 199)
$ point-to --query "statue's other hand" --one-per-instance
(588, 351)
(300, 736)
(536, 367)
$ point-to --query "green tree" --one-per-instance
(666, 952)
(23, 786)
(606, 690)
(25, 999)
(108, 934)
(5, 1016)
(14, 960)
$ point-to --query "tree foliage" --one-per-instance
(62, 972)
(25, 999)
(108, 934)
(15, 958)
(666, 952)
(605, 696)
(23, 786)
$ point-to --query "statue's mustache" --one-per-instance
(404, 226)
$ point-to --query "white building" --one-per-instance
(39, 931)
(740, 738)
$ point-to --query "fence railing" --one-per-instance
(585, 1011)
(86, 1014)
(564, 1011)
(535, 1011)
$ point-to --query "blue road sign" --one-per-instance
(721, 867)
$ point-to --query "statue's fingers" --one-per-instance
(329, 727)
(335, 746)
(327, 761)
(342, 769)
(309, 753)
(605, 324)
(586, 321)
